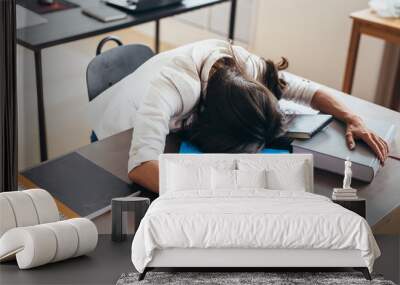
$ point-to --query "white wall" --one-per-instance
(207, 23)
(28, 144)
(65, 99)
(216, 19)
(314, 35)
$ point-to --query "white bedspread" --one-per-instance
(250, 219)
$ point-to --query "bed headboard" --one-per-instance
(289, 165)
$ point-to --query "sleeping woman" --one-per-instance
(221, 98)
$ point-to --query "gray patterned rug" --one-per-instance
(243, 278)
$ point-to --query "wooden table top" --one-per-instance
(382, 194)
(369, 16)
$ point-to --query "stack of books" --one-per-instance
(344, 194)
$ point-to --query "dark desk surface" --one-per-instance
(382, 195)
(102, 266)
(70, 25)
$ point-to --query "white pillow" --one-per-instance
(251, 178)
(183, 177)
(282, 174)
(223, 179)
(226, 179)
(279, 180)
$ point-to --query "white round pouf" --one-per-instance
(67, 240)
(26, 208)
(31, 232)
(6, 215)
(87, 234)
(23, 208)
(45, 205)
(40, 244)
(32, 246)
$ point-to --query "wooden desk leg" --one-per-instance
(351, 58)
(157, 38)
(395, 100)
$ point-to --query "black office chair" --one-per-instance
(109, 67)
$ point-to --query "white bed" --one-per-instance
(247, 210)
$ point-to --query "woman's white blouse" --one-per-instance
(158, 95)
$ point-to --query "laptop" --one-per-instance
(141, 5)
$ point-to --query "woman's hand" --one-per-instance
(356, 130)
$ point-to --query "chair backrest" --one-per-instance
(109, 67)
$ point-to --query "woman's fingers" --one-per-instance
(386, 146)
(369, 140)
(381, 146)
(357, 130)
(350, 140)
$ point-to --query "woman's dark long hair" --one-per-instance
(237, 114)
(270, 77)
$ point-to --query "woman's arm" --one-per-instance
(146, 175)
(306, 92)
(149, 135)
(356, 129)
(170, 95)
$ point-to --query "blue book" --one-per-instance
(189, 148)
